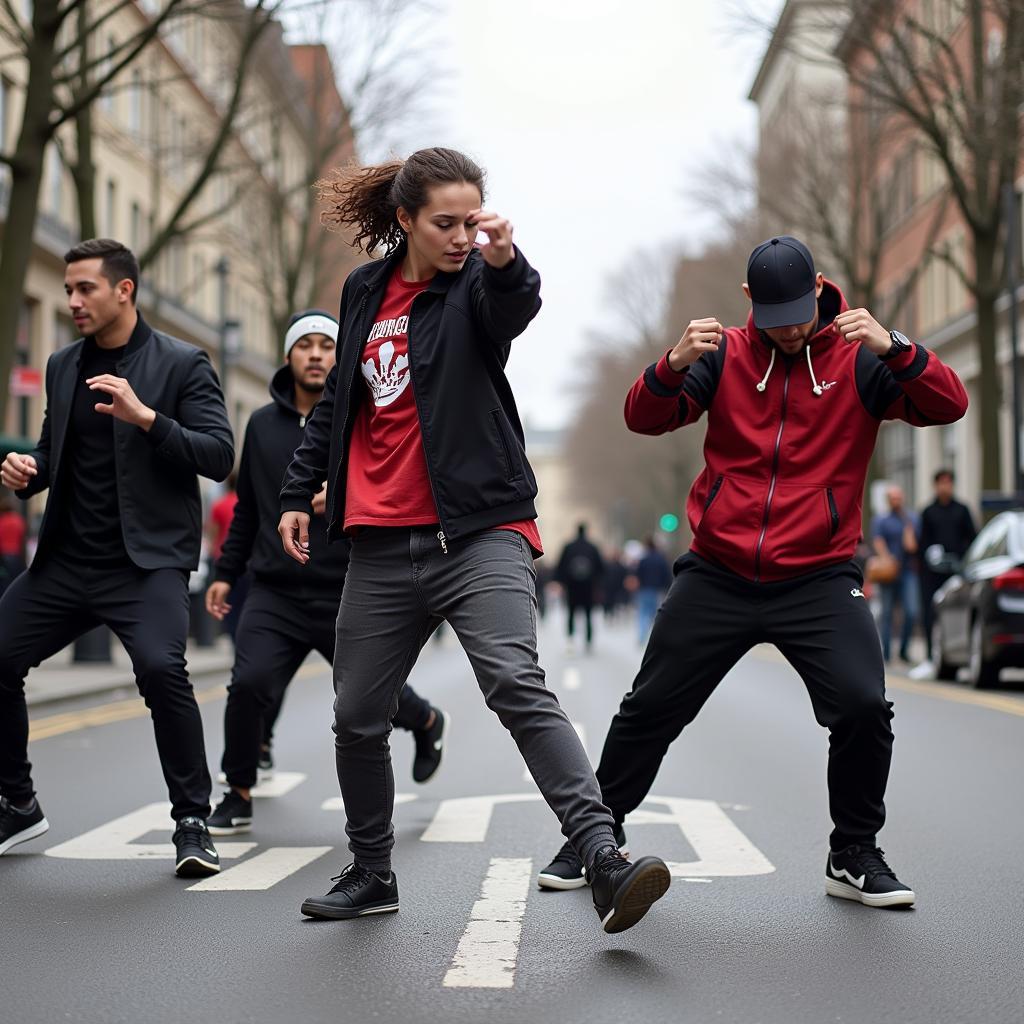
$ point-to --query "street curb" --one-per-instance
(122, 681)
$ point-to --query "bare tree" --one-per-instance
(959, 86)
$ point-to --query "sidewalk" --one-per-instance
(58, 678)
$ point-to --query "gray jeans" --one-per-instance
(399, 587)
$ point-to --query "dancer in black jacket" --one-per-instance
(291, 610)
(419, 439)
(133, 416)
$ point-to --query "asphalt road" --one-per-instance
(94, 927)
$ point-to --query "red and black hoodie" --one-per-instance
(785, 465)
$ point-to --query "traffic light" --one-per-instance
(669, 522)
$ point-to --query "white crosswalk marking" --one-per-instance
(335, 803)
(262, 871)
(279, 784)
(466, 819)
(116, 839)
(487, 952)
(580, 731)
(571, 678)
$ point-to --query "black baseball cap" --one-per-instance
(781, 278)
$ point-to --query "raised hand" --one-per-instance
(125, 404)
(499, 251)
(858, 325)
(699, 337)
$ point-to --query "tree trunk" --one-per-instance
(990, 396)
(26, 181)
(84, 170)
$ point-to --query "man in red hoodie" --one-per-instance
(794, 403)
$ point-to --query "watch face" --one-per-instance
(902, 339)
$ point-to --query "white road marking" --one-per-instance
(722, 849)
(580, 731)
(571, 679)
(116, 839)
(280, 784)
(335, 803)
(466, 819)
(487, 952)
(262, 871)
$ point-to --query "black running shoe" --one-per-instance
(624, 892)
(197, 856)
(566, 870)
(429, 747)
(860, 873)
(20, 826)
(232, 816)
(359, 892)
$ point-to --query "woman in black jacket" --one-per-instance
(420, 442)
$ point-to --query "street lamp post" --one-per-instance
(222, 269)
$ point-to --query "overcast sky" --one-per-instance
(589, 116)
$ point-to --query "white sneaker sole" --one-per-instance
(32, 832)
(195, 867)
(230, 830)
(845, 891)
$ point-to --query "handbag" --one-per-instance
(882, 569)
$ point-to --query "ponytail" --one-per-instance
(367, 198)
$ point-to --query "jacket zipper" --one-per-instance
(774, 479)
(442, 537)
(833, 511)
(348, 395)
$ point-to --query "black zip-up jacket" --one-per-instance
(273, 434)
(460, 333)
(157, 470)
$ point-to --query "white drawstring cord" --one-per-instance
(763, 383)
(815, 386)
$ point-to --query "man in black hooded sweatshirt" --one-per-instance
(290, 609)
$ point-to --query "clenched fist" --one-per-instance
(859, 325)
(17, 471)
(699, 337)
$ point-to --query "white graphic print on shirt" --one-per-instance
(387, 375)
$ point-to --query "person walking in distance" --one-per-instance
(133, 417)
(12, 543)
(894, 536)
(653, 577)
(420, 442)
(291, 610)
(580, 571)
(794, 402)
(947, 531)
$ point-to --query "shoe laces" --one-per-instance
(871, 860)
(567, 855)
(352, 879)
(194, 827)
(609, 860)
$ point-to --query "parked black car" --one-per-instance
(979, 612)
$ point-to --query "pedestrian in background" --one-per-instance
(894, 536)
(580, 570)
(133, 418)
(419, 439)
(776, 517)
(947, 531)
(613, 587)
(653, 577)
(12, 542)
(291, 610)
(222, 512)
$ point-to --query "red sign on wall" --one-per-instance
(26, 382)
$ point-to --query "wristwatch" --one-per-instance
(900, 344)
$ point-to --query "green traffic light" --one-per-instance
(669, 522)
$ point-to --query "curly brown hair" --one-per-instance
(368, 198)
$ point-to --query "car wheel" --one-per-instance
(944, 669)
(982, 673)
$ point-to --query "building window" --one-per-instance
(135, 236)
(107, 100)
(898, 458)
(56, 171)
(135, 104)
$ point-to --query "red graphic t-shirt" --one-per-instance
(388, 483)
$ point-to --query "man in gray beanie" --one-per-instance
(291, 610)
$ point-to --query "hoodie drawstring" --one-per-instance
(762, 384)
(815, 386)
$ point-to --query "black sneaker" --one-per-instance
(359, 892)
(566, 870)
(429, 747)
(197, 856)
(232, 816)
(624, 892)
(860, 873)
(20, 826)
(265, 765)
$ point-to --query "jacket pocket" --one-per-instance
(512, 467)
(833, 513)
(802, 524)
(713, 493)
